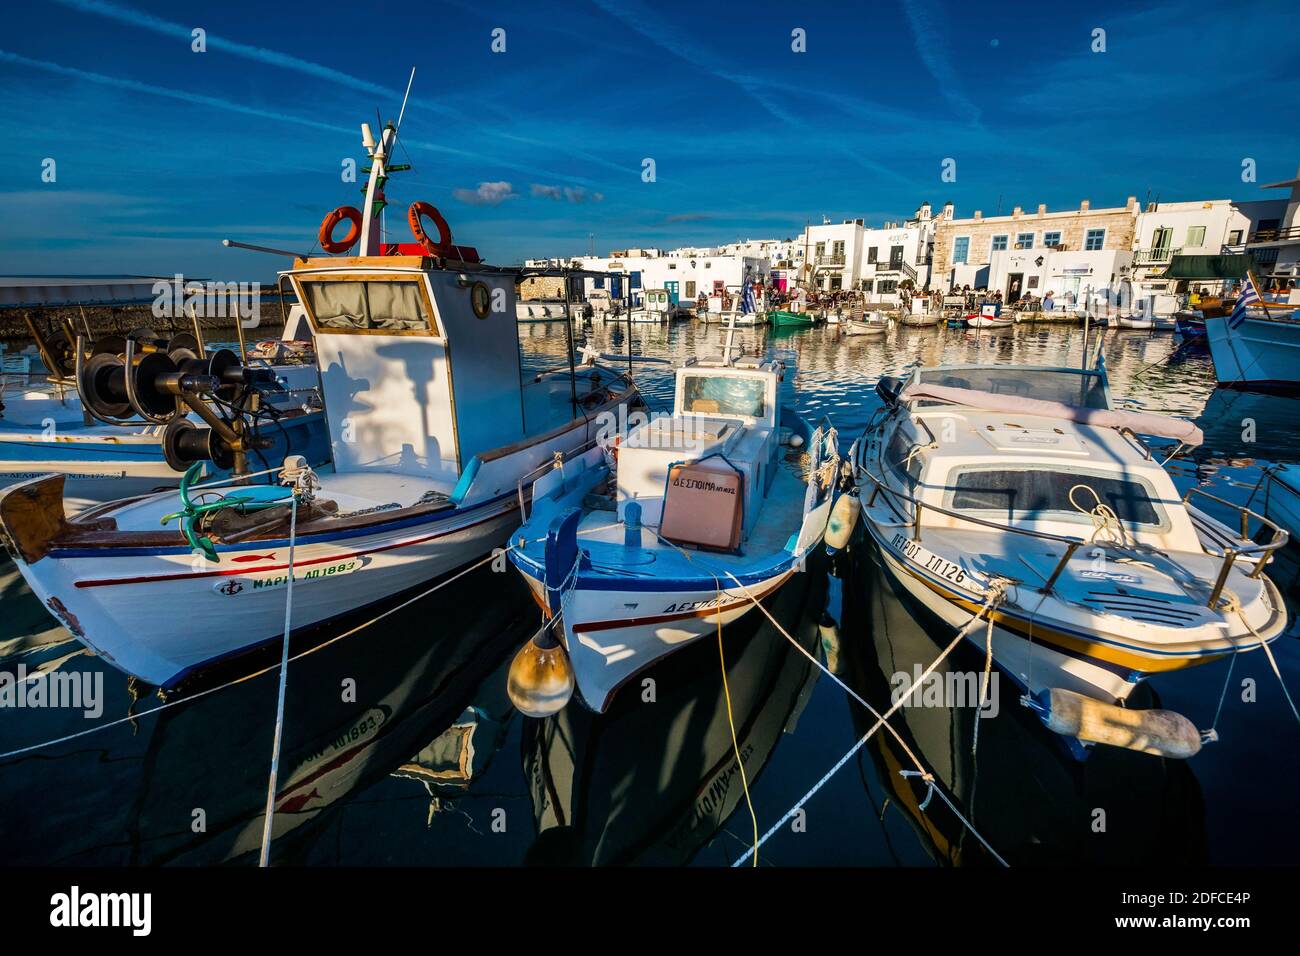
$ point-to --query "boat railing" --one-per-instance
(1072, 545)
(558, 460)
(1230, 554)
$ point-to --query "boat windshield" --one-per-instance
(1036, 492)
(350, 305)
(724, 395)
(1050, 385)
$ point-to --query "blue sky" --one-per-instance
(161, 152)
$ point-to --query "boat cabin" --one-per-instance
(1019, 470)
(711, 462)
(420, 367)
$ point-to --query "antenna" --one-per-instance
(407, 96)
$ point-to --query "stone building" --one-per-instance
(964, 248)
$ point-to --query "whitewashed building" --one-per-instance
(851, 255)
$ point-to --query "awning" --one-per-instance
(1210, 267)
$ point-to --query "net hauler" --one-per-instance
(430, 427)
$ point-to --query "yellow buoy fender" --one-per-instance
(1161, 732)
(844, 517)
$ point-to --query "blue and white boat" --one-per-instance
(665, 535)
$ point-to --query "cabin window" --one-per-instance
(348, 306)
(724, 395)
(1038, 492)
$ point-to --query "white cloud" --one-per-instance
(487, 194)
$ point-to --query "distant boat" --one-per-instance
(1257, 345)
(782, 319)
(1151, 323)
(873, 323)
(990, 317)
(921, 320)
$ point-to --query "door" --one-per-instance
(672, 291)
(895, 258)
(616, 287)
(1161, 240)
(1015, 281)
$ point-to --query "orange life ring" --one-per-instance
(443, 246)
(326, 237)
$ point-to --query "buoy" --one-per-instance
(540, 681)
(829, 631)
(796, 440)
(844, 518)
(1160, 732)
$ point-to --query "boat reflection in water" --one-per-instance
(650, 783)
(1028, 798)
(356, 711)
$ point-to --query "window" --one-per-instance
(819, 250)
(960, 249)
(1038, 492)
(634, 280)
(871, 254)
(1094, 239)
(1195, 236)
(598, 282)
(895, 257)
(1024, 240)
(690, 289)
(1234, 237)
(886, 285)
(1052, 238)
(672, 265)
(836, 282)
(341, 306)
(999, 243)
(724, 395)
(897, 452)
(838, 249)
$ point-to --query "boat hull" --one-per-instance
(1258, 353)
(132, 609)
(608, 648)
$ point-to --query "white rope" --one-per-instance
(284, 680)
(996, 592)
(189, 698)
(1235, 605)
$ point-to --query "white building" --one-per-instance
(851, 255)
(686, 277)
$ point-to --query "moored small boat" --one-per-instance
(705, 512)
(1040, 502)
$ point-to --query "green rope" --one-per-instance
(191, 514)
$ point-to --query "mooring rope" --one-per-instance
(996, 592)
(269, 817)
(1235, 605)
(189, 698)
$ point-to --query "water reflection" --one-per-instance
(1026, 796)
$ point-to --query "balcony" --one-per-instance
(1289, 234)
(1152, 257)
(831, 260)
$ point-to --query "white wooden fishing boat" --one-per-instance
(1257, 345)
(430, 427)
(656, 308)
(989, 317)
(975, 477)
(1151, 323)
(704, 512)
(921, 320)
(872, 323)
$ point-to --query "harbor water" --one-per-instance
(402, 748)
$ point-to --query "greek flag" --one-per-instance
(749, 305)
(1249, 296)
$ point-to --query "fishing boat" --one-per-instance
(872, 323)
(1190, 324)
(431, 426)
(785, 319)
(1257, 345)
(1150, 323)
(109, 450)
(702, 514)
(921, 320)
(989, 317)
(1024, 480)
(656, 308)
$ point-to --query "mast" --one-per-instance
(372, 233)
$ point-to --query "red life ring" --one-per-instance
(326, 237)
(443, 246)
